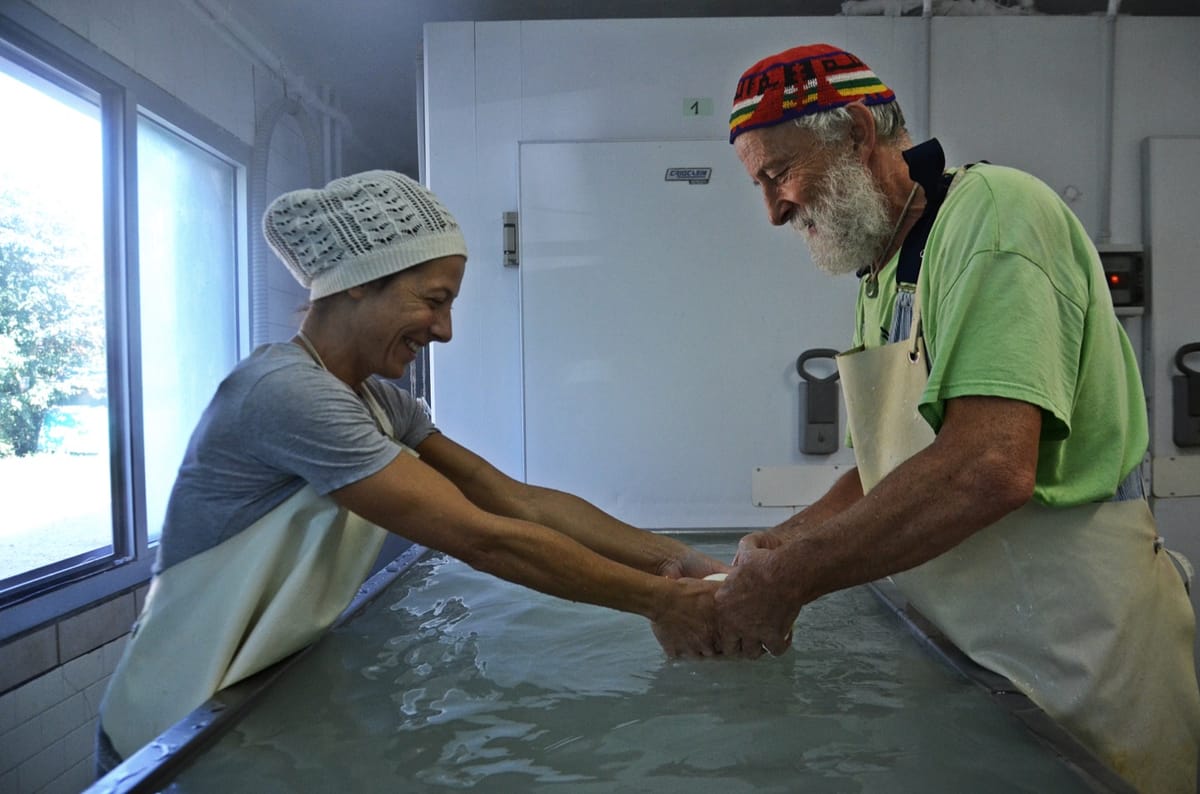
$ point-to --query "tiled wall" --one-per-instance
(53, 677)
(52, 680)
(287, 170)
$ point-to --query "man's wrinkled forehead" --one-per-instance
(766, 149)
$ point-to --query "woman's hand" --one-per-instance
(693, 564)
(687, 623)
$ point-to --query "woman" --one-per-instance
(306, 454)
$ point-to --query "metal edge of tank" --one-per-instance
(1091, 770)
(154, 766)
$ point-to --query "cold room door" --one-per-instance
(662, 316)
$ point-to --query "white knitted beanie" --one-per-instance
(359, 228)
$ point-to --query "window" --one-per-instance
(187, 257)
(53, 385)
(120, 300)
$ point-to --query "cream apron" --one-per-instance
(1078, 607)
(238, 608)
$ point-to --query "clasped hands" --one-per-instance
(743, 616)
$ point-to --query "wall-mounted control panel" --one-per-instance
(1125, 273)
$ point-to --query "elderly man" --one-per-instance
(997, 418)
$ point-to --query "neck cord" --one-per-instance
(873, 274)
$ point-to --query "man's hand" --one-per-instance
(752, 617)
(765, 540)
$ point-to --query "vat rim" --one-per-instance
(156, 765)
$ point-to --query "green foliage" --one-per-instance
(51, 322)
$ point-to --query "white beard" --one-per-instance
(850, 218)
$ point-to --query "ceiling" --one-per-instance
(366, 50)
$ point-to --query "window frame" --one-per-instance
(41, 44)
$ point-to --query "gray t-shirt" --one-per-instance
(277, 422)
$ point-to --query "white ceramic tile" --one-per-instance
(155, 44)
(20, 744)
(189, 56)
(118, 13)
(42, 768)
(27, 657)
(89, 630)
(74, 780)
(227, 92)
(94, 695)
(14, 709)
(60, 720)
(80, 742)
(116, 41)
(46, 691)
(85, 670)
(112, 652)
(72, 13)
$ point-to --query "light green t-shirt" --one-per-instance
(1015, 305)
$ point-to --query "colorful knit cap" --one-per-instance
(799, 82)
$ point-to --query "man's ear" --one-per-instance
(862, 129)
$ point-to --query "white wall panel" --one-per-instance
(1172, 171)
(498, 125)
(1173, 237)
(468, 405)
(1156, 93)
(662, 322)
(612, 79)
(1026, 92)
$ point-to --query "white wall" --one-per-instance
(1026, 92)
(581, 80)
(1157, 100)
(289, 167)
(1172, 169)
(169, 44)
(1032, 92)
